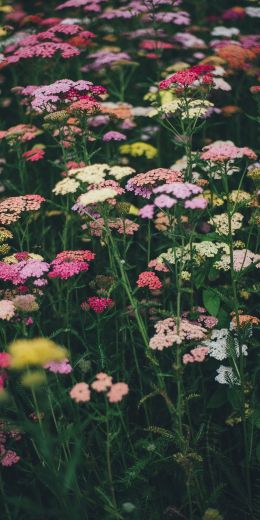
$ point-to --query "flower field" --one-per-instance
(129, 260)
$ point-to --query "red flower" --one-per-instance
(150, 280)
(185, 78)
(34, 155)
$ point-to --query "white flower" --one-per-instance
(119, 172)
(225, 31)
(221, 223)
(221, 84)
(254, 12)
(226, 376)
(92, 174)
(218, 345)
(94, 196)
(66, 186)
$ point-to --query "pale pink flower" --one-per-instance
(197, 354)
(7, 310)
(117, 392)
(80, 393)
(102, 382)
(221, 151)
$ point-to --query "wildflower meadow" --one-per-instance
(129, 260)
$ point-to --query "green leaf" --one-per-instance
(218, 399)
(234, 399)
(211, 301)
(199, 279)
(213, 274)
(256, 419)
(258, 452)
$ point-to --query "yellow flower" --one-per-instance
(13, 260)
(6, 9)
(166, 96)
(37, 351)
(5, 234)
(138, 149)
(33, 379)
(213, 198)
(4, 249)
(240, 197)
(133, 210)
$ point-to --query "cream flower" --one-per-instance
(94, 196)
(66, 186)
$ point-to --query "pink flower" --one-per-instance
(7, 310)
(143, 183)
(196, 203)
(70, 263)
(5, 360)
(99, 304)
(147, 211)
(117, 392)
(34, 155)
(196, 355)
(102, 382)
(59, 367)
(187, 77)
(164, 201)
(167, 333)
(80, 393)
(222, 151)
(8, 458)
(150, 280)
(113, 136)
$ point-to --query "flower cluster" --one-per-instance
(194, 76)
(221, 151)
(170, 332)
(70, 263)
(8, 457)
(12, 207)
(196, 355)
(150, 280)
(122, 226)
(143, 183)
(31, 352)
(49, 98)
(103, 383)
(98, 304)
(221, 223)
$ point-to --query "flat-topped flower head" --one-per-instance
(143, 183)
(197, 75)
(222, 151)
(95, 196)
(99, 304)
(11, 208)
(70, 263)
(150, 280)
(37, 351)
(62, 92)
(168, 333)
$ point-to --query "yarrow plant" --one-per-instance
(129, 255)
